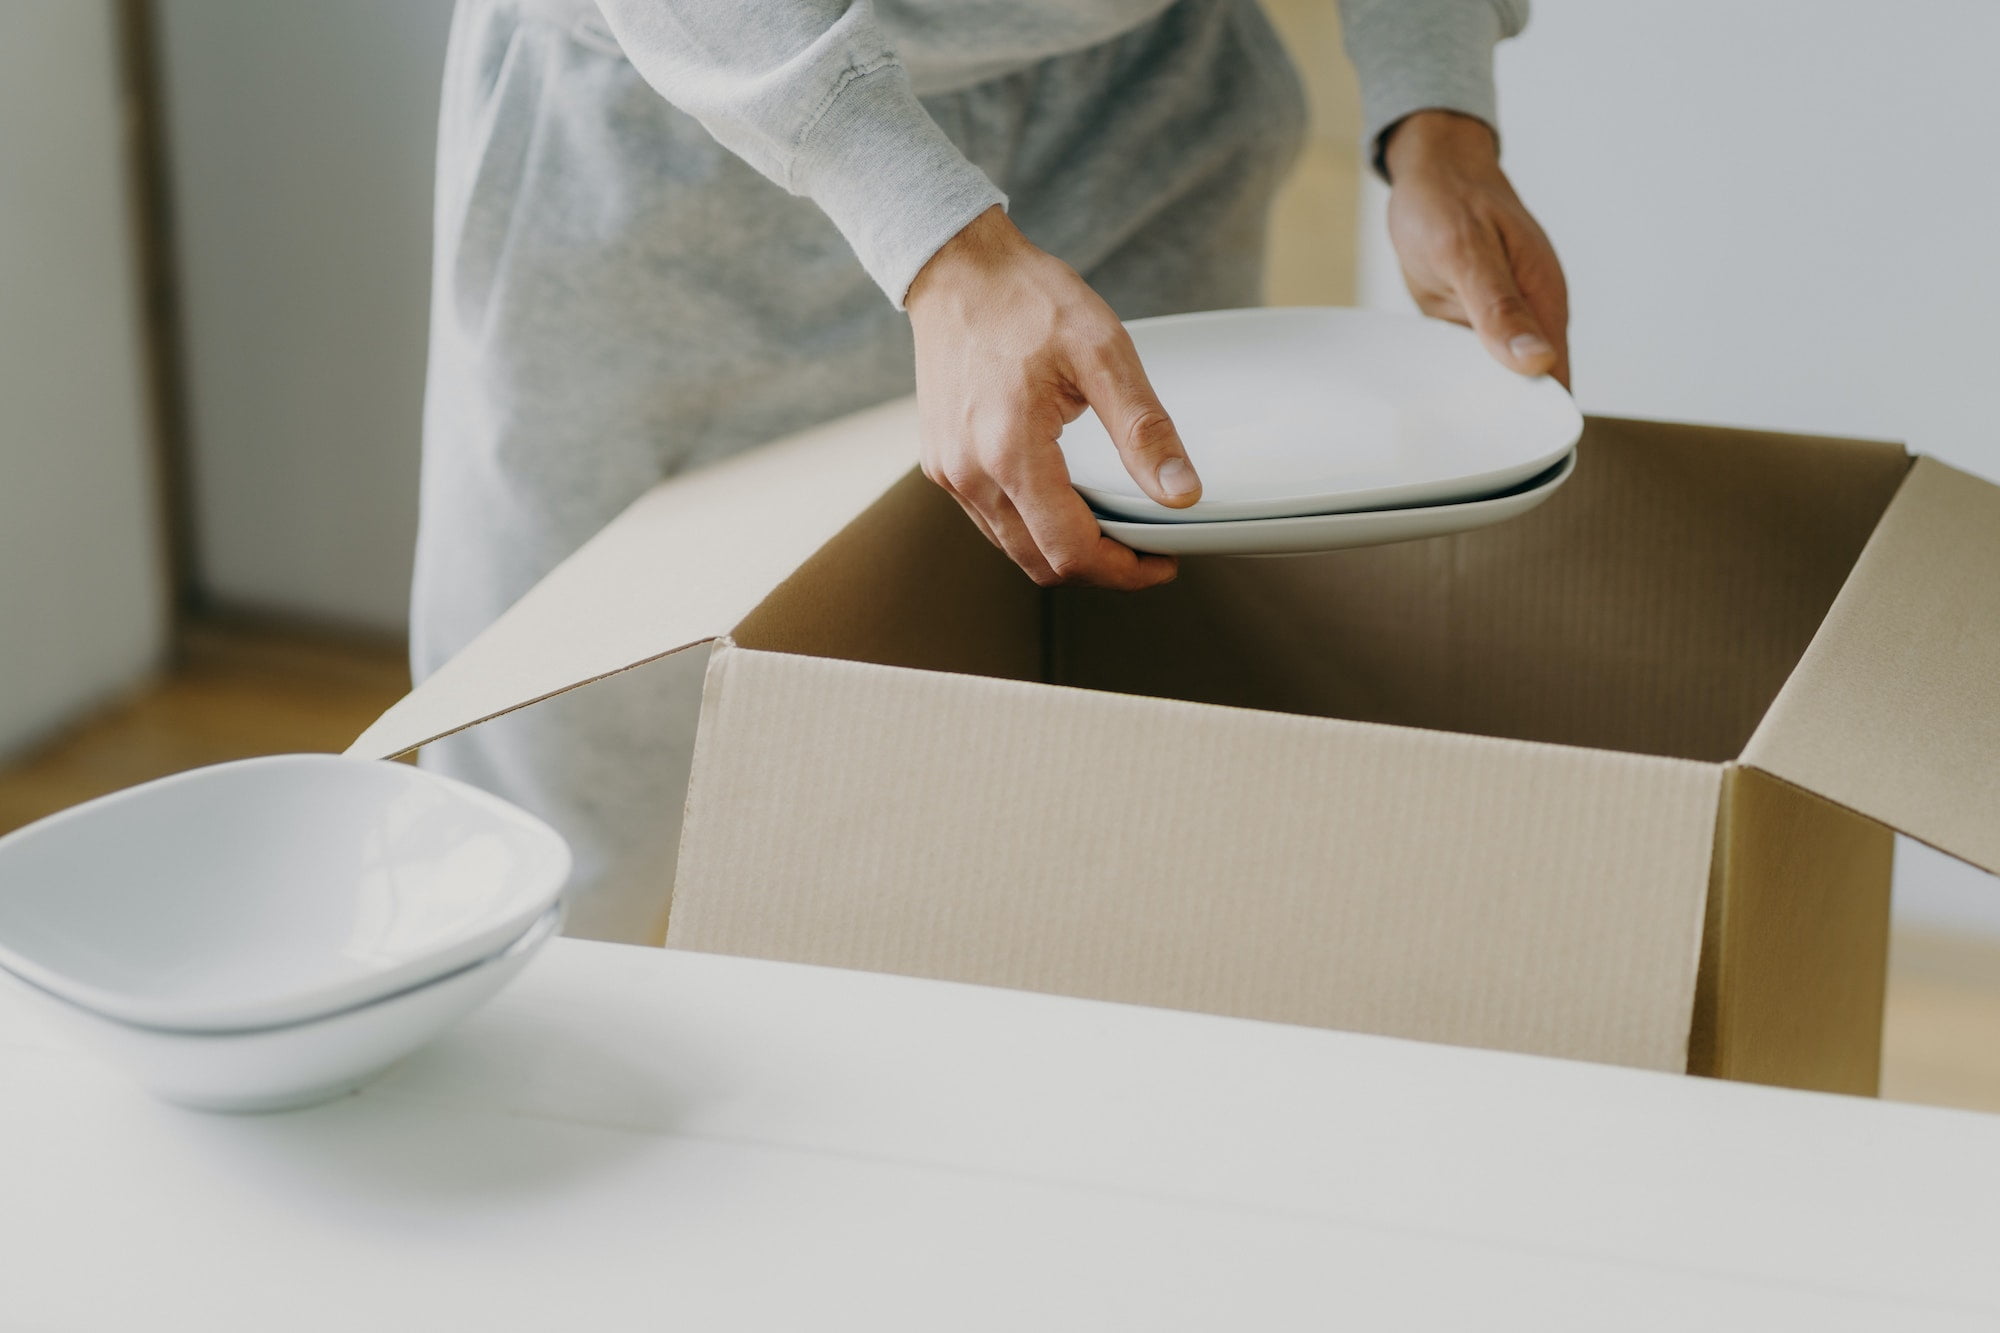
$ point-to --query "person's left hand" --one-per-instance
(1470, 250)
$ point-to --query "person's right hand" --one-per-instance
(1012, 346)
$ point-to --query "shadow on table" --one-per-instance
(506, 1106)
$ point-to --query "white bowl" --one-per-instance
(1336, 532)
(1320, 411)
(269, 891)
(278, 1068)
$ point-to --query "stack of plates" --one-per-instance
(274, 932)
(1320, 429)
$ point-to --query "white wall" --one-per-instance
(82, 592)
(300, 139)
(1776, 213)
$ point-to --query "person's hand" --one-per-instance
(1012, 346)
(1470, 251)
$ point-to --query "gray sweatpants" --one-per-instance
(617, 298)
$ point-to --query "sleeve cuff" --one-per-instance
(1425, 55)
(891, 180)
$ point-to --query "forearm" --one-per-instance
(808, 93)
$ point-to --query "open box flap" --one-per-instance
(686, 563)
(1895, 709)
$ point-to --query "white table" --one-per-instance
(634, 1138)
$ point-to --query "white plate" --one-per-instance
(270, 890)
(1288, 412)
(273, 1069)
(1336, 532)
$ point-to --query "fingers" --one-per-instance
(1540, 275)
(1498, 311)
(1111, 379)
(1066, 534)
(1470, 250)
(1010, 345)
(986, 504)
(1061, 543)
(1560, 371)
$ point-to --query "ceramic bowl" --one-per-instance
(1337, 532)
(1304, 411)
(298, 1064)
(269, 891)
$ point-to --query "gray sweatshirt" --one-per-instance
(822, 95)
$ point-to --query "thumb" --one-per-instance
(1501, 315)
(1115, 385)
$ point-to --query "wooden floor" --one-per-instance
(241, 691)
(237, 691)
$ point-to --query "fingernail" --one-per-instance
(1178, 478)
(1528, 346)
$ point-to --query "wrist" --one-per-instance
(1428, 140)
(982, 245)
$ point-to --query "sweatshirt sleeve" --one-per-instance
(1425, 55)
(808, 93)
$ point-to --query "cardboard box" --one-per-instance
(1614, 781)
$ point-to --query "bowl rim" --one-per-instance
(542, 929)
(299, 1005)
(1465, 516)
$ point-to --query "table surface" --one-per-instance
(636, 1138)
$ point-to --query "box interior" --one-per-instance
(1655, 605)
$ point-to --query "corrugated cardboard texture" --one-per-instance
(1796, 950)
(685, 563)
(1442, 887)
(1654, 605)
(1895, 710)
(909, 583)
